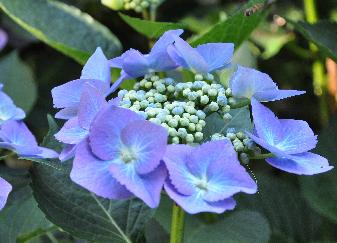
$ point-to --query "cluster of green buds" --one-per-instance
(155, 99)
(243, 145)
(136, 5)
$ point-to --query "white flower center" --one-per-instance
(128, 155)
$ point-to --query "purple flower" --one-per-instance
(121, 157)
(95, 72)
(135, 64)
(14, 135)
(202, 59)
(77, 128)
(8, 110)
(5, 189)
(3, 39)
(204, 178)
(289, 140)
(250, 83)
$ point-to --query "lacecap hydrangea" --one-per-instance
(151, 138)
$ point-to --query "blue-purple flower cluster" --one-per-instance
(15, 136)
(151, 138)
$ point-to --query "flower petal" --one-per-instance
(165, 40)
(71, 132)
(93, 174)
(146, 187)
(92, 101)
(106, 131)
(67, 152)
(267, 126)
(301, 164)
(194, 204)
(97, 67)
(135, 64)
(297, 137)
(190, 56)
(175, 159)
(217, 55)
(149, 142)
(67, 113)
(5, 189)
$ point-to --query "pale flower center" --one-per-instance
(128, 155)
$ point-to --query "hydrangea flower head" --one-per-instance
(202, 59)
(250, 83)
(14, 135)
(121, 157)
(95, 72)
(204, 178)
(289, 140)
(135, 64)
(8, 110)
(5, 189)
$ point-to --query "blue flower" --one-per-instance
(8, 110)
(204, 178)
(15, 136)
(204, 58)
(135, 64)
(76, 129)
(95, 72)
(289, 140)
(5, 189)
(121, 157)
(250, 83)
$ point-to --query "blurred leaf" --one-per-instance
(18, 81)
(236, 226)
(154, 232)
(240, 121)
(321, 190)
(271, 42)
(323, 34)
(281, 203)
(236, 28)
(21, 216)
(80, 212)
(149, 28)
(63, 27)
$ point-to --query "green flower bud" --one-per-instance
(200, 114)
(213, 106)
(172, 132)
(228, 92)
(226, 109)
(198, 77)
(189, 138)
(175, 140)
(182, 132)
(191, 127)
(198, 136)
(244, 158)
(217, 136)
(148, 85)
(154, 78)
(155, 120)
(198, 127)
(113, 4)
(151, 99)
(240, 135)
(212, 92)
(231, 136)
(186, 92)
(170, 88)
(227, 117)
(173, 123)
(202, 123)
(210, 76)
(194, 119)
(204, 99)
(186, 115)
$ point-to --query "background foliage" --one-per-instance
(48, 42)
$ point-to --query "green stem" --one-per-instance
(177, 225)
(262, 156)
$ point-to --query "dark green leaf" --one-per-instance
(80, 212)
(321, 190)
(63, 27)
(323, 34)
(236, 28)
(21, 216)
(281, 203)
(236, 226)
(18, 81)
(240, 121)
(149, 28)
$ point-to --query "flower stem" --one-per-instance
(262, 156)
(177, 224)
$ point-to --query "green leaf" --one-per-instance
(18, 81)
(149, 28)
(240, 121)
(281, 203)
(236, 28)
(63, 27)
(80, 212)
(320, 190)
(21, 218)
(236, 226)
(322, 33)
